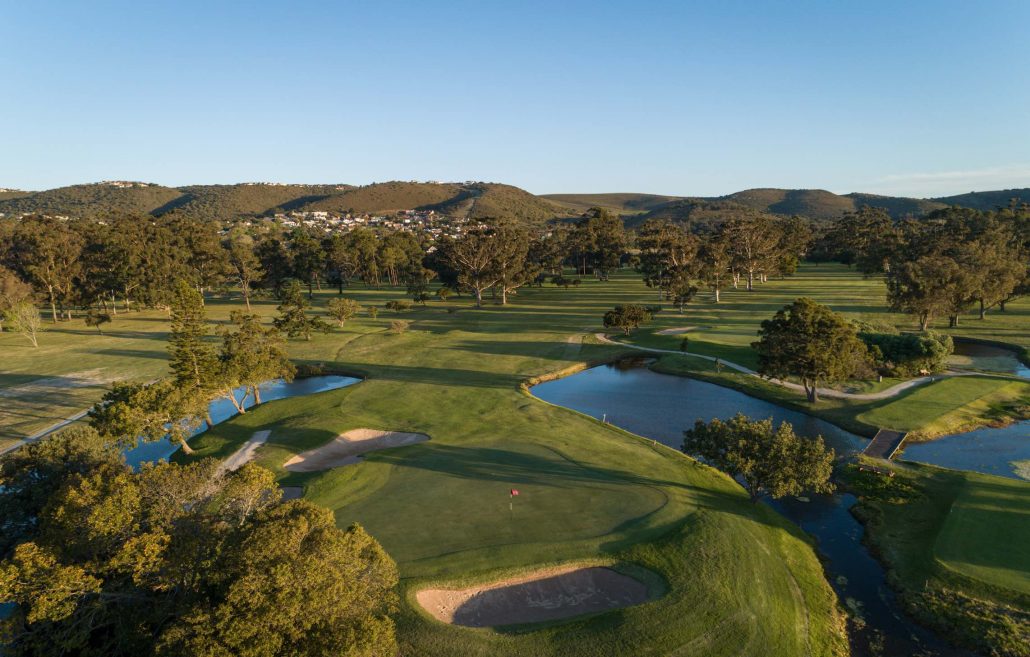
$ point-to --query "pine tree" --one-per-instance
(293, 319)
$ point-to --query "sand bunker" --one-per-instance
(676, 331)
(542, 596)
(348, 446)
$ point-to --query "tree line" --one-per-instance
(943, 265)
(938, 266)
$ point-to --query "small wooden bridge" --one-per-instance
(885, 444)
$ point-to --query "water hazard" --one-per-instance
(222, 410)
(661, 406)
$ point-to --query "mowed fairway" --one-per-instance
(730, 577)
(987, 533)
(956, 545)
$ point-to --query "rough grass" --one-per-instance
(740, 577)
(951, 406)
(955, 545)
(742, 580)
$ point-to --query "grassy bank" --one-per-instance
(954, 544)
(726, 330)
(741, 579)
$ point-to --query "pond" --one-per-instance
(1002, 451)
(222, 409)
(976, 356)
(661, 406)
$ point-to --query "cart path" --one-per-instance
(887, 393)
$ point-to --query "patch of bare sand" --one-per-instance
(676, 331)
(348, 446)
(48, 385)
(550, 594)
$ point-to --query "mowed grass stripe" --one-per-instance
(986, 535)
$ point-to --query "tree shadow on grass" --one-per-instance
(513, 468)
(439, 376)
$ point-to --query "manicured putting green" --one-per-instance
(987, 533)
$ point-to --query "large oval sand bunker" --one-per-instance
(348, 446)
(542, 596)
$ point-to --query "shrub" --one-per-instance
(907, 354)
(399, 326)
(398, 306)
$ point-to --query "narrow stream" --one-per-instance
(661, 406)
(222, 409)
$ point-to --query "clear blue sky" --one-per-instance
(701, 98)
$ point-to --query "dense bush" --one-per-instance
(908, 354)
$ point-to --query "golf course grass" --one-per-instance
(955, 544)
(737, 577)
(951, 406)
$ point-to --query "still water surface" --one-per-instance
(661, 406)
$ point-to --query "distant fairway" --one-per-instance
(987, 533)
(739, 579)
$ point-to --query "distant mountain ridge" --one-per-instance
(476, 200)
(817, 204)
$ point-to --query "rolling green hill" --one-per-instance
(12, 193)
(812, 203)
(897, 206)
(988, 200)
(476, 200)
(93, 200)
(215, 202)
(623, 203)
(816, 204)
(246, 199)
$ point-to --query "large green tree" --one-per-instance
(811, 342)
(473, 256)
(243, 263)
(294, 319)
(13, 291)
(250, 356)
(768, 460)
(47, 253)
(191, 355)
(626, 317)
(181, 560)
(667, 259)
(753, 240)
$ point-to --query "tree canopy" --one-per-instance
(811, 342)
(768, 460)
(179, 559)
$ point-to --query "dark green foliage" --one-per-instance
(97, 319)
(191, 356)
(626, 317)
(181, 560)
(769, 460)
(811, 342)
(908, 354)
(31, 475)
(293, 319)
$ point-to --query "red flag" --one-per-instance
(514, 492)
